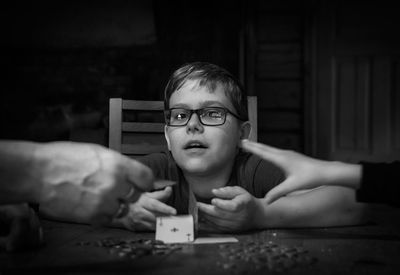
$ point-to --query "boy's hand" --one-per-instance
(20, 228)
(142, 214)
(233, 209)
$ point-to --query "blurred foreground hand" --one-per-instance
(19, 228)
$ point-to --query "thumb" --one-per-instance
(279, 191)
(228, 192)
(161, 195)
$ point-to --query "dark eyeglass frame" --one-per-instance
(199, 113)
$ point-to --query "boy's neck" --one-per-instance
(203, 184)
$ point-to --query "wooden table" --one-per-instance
(73, 248)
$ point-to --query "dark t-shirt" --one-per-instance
(250, 172)
(380, 183)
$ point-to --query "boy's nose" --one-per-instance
(194, 124)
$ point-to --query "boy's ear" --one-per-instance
(245, 129)
(167, 137)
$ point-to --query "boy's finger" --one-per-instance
(145, 217)
(147, 221)
(212, 211)
(161, 195)
(207, 209)
(227, 205)
(149, 226)
(161, 184)
(228, 192)
(159, 207)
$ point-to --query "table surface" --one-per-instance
(77, 248)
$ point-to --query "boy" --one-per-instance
(206, 119)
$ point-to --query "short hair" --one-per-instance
(208, 75)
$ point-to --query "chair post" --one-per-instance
(252, 109)
(115, 124)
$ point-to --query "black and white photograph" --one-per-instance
(200, 137)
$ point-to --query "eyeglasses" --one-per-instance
(210, 116)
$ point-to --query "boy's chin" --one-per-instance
(195, 167)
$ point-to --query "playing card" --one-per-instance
(175, 229)
(218, 239)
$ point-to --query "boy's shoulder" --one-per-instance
(252, 163)
(257, 170)
(161, 158)
(162, 164)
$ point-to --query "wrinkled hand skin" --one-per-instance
(85, 183)
(143, 214)
(19, 228)
(232, 210)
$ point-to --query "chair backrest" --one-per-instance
(136, 127)
(252, 109)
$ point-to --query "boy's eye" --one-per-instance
(214, 114)
(180, 115)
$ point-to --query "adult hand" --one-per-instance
(87, 182)
(142, 214)
(232, 209)
(303, 172)
(20, 227)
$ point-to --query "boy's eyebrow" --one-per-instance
(211, 102)
(203, 104)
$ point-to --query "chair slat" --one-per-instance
(142, 105)
(252, 108)
(143, 127)
(114, 135)
(142, 149)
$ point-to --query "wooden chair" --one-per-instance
(252, 109)
(136, 127)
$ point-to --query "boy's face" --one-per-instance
(200, 149)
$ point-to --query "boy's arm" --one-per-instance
(235, 209)
(322, 207)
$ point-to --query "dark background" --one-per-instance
(69, 57)
(63, 60)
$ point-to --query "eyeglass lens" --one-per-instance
(207, 116)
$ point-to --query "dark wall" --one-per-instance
(63, 60)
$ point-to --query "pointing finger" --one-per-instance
(263, 151)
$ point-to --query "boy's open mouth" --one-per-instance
(195, 145)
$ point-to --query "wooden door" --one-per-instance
(355, 91)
